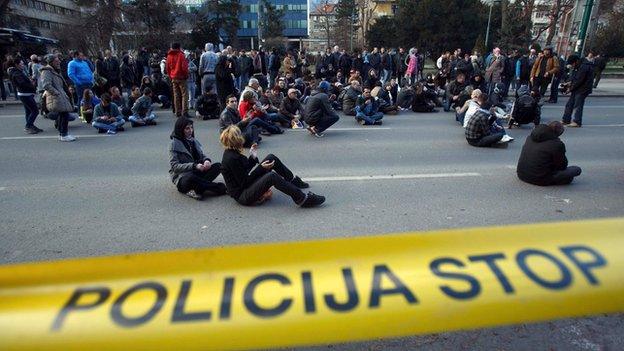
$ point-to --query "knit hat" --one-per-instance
(324, 86)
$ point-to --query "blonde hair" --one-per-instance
(476, 93)
(231, 138)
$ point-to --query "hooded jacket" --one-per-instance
(55, 91)
(318, 107)
(542, 155)
(184, 154)
(581, 79)
(177, 66)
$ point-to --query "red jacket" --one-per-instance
(244, 107)
(177, 66)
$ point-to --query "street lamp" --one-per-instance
(487, 33)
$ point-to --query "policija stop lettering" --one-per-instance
(580, 259)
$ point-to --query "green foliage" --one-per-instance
(377, 35)
(609, 39)
(434, 25)
(271, 21)
(516, 33)
(479, 45)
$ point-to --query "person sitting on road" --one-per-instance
(142, 113)
(525, 109)
(480, 130)
(117, 97)
(350, 97)
(249, 181)
(367, 109)
(405, 98)
(249, 109)
(319, 115)
(464, 113)
(87, 104)
(292, 109)
(421, 101)
(135, 94)
(270, 101)
(230, 116)
(543, 160)
(207, 105)
(106, 116)
(454, 91)
(387, 98)
(191, 171)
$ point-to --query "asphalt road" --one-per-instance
(106, 195)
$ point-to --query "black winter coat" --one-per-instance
(542, 155)
(21, 81)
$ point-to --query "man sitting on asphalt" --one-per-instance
(350, 97)
(481, 129)
(142, 110)
(367, 109)
(319, 115)
(106, 116)
(291, 108)
(454, 92)
(543, 160)
(230, 116)
(207, 105)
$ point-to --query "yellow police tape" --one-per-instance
(302, 293)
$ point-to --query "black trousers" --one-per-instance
(202, 181)
(280, 177)
(540, 85)
(487, 140)
(566, 176)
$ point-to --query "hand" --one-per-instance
(546, 74)
(254, 150)
(199, 167)
(367, 102)
(207, 165)
(455, 97)
(267, 165)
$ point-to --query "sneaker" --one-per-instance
(30, 130)
(565, 123)
(67, 138)
(297, 125)
(265, 132)
(506, 139)
(319, 134)
(111, 132)
(101, 131)
(39, 130)
(300, 183)
(573, 125)
(378, 123)
(192, 194)
(312, 200)
(311, 130)
(361, 122)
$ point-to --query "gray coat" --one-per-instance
(494, 73)
(181, 159)
(54, 87)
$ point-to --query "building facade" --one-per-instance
(322, 18)
(42, 18)
(295, 20)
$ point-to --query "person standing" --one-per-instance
(494, 70)
(26, 93)
(56, 95)
(207, 66)
(600, 63)
(178, 71)
(545, 67)
(80, 73)
(111, 70)
(580, 86)
(191, 82)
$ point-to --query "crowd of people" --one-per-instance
(259, 93)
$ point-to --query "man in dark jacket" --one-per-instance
(26, 93)
(454, 91)
(580, 86)
(399, 63)
(600, 63)
(543, 160)
(111, 70)
(230, 116)
(319, 115)
(291, 107)
(350, 97)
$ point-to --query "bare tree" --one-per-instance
(556, 10)
(367, 10)
(327, 17)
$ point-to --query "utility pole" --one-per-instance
(582, 35)
(351, 28)
(259, 23)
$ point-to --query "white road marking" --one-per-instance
(369, 128)
(586, 106)
(54, 137)
(603, 125)
(392, 176)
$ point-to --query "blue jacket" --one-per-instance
(79, 72)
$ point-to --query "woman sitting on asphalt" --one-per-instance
(249, 181)
(191, 171)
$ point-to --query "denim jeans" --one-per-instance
(31, 110)
(385, 75)
(112, 126)
(575, 104)
(369, 120)
(271, 128)
(137, 119)
(191, 87)
(208, 79)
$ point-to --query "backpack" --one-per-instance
(525, 109)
